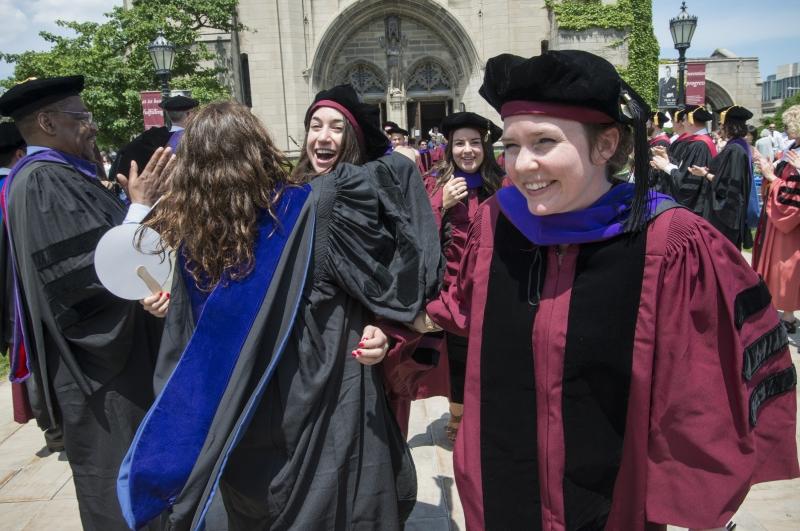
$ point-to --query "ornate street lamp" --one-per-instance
(163, 53)
(682, 28)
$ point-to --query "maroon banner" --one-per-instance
(153, 115)
(696, 84)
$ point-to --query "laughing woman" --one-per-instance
(262, 401)
(625, 367)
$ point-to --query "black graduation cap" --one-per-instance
(32, 94)
(366, 117)
(390, 125)
(10, 137)
(659, 118)
(179, 103)
(677, 115)
(140, 149)
(734, 112)
(575, 85)
(571, 78)
(696, 114)
(457, 120)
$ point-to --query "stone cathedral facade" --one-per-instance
(418, 60)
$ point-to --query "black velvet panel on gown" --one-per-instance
(508, 394)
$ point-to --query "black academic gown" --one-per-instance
(93, 352)
(725, 202)
(687, 189)
(322, 450)
(6, 284)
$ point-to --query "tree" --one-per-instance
(777, 118)
(114, 59)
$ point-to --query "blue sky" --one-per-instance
(749, 28)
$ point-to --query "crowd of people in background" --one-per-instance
(611, 359)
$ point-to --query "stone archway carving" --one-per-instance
(429, 76)
(366, 78)
(427, 13)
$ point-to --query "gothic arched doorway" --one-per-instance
(404, 42)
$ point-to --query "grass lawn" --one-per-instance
(3, 365)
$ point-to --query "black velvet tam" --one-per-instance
(696, 114)
(566, 77)
(659, 119)
(734, 112)
(10, 137)
(367, 116)
(179, 103)
(31, 95)
(459, 120)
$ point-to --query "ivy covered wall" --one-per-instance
(634, 16)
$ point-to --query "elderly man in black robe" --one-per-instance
(91, 352)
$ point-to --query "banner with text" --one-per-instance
(153, 115)
(696, 84)
(667, 86)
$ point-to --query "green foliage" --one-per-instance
(777, 119)
(114, 59)
(636, 16)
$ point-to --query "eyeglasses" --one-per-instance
(79, 115)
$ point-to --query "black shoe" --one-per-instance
(790, 326)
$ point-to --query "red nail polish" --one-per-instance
(358, 352)
(167, 296)
(361, 344)
(354, 354)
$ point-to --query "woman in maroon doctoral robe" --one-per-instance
(626, 369)
(435, 365)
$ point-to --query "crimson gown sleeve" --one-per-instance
(451, 309)
(723, 405)
(782, 204)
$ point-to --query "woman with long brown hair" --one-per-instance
(458, 184)
(260, 398)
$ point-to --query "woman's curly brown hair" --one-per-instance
(227, 174)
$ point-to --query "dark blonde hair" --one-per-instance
(349, 151)
(490, 170)
(227, 174)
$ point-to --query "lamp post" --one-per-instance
(682, 28)
(163, 53)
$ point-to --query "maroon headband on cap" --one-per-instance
(558, 110)
(347, 114)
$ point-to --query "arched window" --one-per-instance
(429, 77)
(366, 79)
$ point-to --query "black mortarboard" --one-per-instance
(32, 94)
(10, 137)
(696, 114)
(659, 119)
(179, 103)
(389, 125)
(574, 85)
(677, 115)
(734, 112)
(458, 120)
(363, 117)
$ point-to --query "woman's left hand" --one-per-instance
(373, 346)
(157, 304)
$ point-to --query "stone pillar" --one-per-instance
(394, 43)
